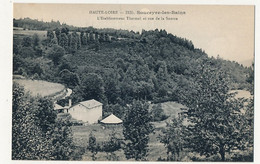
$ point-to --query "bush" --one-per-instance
(26, 52)
(157, 113)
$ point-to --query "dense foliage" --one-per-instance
(37, 134)
(214, 114)
(137, 128)
(173, 139)
(153, 65)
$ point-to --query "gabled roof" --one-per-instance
(91, 103)
(111, 119)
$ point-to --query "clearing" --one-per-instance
(42, 88)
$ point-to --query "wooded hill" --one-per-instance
(117, 66)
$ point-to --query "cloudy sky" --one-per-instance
(227, 31)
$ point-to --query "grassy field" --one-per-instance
(101, 132)
(41, 88)
(18, 35)
(42, 34)
(81, 135)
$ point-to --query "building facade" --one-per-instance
(89, 112)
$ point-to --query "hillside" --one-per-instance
(154, 65)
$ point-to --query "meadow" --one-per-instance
(41, 88)
(42, 34)
(19, 34)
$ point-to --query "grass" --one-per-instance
(18, 35)
(41, 88)
(41, 34)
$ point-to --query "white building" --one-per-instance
(89, 111)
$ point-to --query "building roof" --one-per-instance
(111, 119)
(91, 103)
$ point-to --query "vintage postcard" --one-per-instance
(133, 82)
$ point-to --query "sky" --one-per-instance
(224, 30)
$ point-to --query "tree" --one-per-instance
(46, 115)
(27, 41)
(54, 41)
(157, 113)
(74, 42)
(16, 48)
(26, 52)
(65, 30)
(250, 78)
(92, 146)
(50, 35)
(37, 134)
(38, 51)
(249, 124)
(214, 114)
(61, 141)
(69, 78)
(102, 37)
(35, 40)
(112, 90)
(56, 53)
(25, 133)
(173, 138)
(116, 109)
(78, 41)
(83, 38)
(92, 87)
(63, 41)
(137, 128)
(57, 34)
(111, 146)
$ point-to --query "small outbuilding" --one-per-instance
(111, 119)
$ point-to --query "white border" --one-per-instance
(6, 15)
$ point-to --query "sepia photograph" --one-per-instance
(133, 82)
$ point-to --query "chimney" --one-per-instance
(70, 103)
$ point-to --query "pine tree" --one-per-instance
(83, 38)
(35, 40)
(50, 35)
(57, 34)
(74, 42)
(63, 41)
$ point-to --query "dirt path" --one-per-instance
(67, 94)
